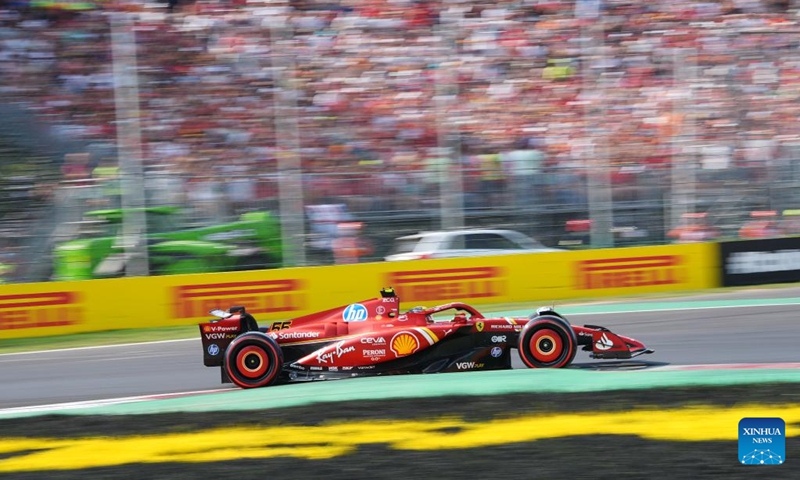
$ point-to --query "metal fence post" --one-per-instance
(129, 144)
(290, 183)
(684, 147)
(601, 204)
(451, 184)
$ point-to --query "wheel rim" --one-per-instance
(252, 362)
(546, 345)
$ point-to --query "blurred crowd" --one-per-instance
(380, 97)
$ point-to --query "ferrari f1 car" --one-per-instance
(373, 337)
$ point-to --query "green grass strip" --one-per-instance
(417, 386)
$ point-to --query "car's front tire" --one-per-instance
(547, 341)
(253, 360)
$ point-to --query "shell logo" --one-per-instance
(404, 343)
(206, 329)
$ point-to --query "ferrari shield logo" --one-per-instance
(479, 326)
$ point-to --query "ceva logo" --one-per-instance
(762, 441)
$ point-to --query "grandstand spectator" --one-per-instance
(361, 79)
(76, 167)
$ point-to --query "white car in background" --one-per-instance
(463, 243)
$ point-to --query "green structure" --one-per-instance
(251, 242)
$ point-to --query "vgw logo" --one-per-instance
(762, 441)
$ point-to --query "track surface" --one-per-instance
(708, 336)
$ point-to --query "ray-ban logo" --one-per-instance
(762, 441)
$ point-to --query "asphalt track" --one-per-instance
(752, 332)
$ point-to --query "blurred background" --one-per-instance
(146, 137)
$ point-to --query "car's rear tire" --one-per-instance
(547, 341)
(253, 360)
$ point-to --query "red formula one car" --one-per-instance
(372, 337)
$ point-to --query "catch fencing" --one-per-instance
(615, 142)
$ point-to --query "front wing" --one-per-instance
(605, 344)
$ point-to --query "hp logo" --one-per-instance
(355, 313)
(213, 350)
